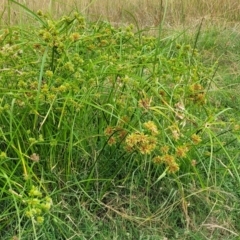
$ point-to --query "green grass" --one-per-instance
(111, 133)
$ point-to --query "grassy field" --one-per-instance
(119, 120)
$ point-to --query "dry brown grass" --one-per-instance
(145, 12)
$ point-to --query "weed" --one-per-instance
(101, 124)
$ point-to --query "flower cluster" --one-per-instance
(169, 161)
(151, 126)
(115, 134)
(141, 142)
(37, 205)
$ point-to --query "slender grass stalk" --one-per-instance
(40, 79)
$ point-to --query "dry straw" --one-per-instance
(145, 12)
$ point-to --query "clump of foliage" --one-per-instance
(88, 107)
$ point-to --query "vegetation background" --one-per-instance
(74, 127)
